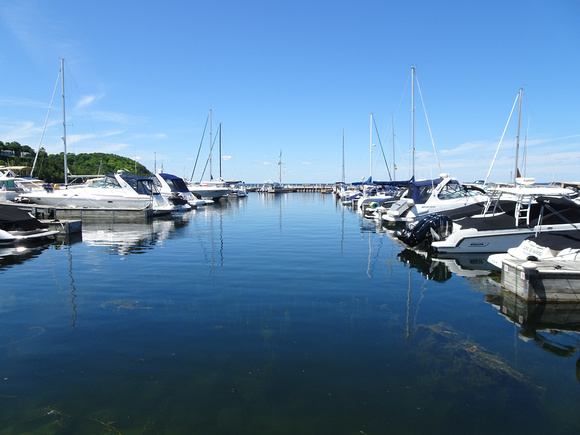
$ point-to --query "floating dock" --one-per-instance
(51, 213)
(542, 281)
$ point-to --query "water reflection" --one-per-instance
(125, 238)
(433, 270)
(14, 255)
(554, 327)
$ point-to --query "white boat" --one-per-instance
(113, 191)
(238, 189)
(11, 184)
(274, 186)
(441, 195)
(213, 190)
(553, 247)
(19, 226)
(506, 225)
(271, 187)
(175, 191)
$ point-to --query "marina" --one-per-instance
(273, 313)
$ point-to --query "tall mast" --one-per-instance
(280, 164)
(210, 146)
(413, 119)
(63, 122)
(393, 131)
(220, 151)
(518, 136)
(371, 152)
(343, 173)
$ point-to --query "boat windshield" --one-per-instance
(107, 182)
(454, 190)
(142, 187)
(177, 184)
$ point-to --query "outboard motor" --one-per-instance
(177, 199)
(432, 227)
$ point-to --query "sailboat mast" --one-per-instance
(371, 152)
(280, 170)
(343, 173)
(393, 132)
(220, 151)
(518, 135)
(210, 146)
(63, 122)
(413, 119)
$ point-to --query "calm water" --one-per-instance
(271, 315)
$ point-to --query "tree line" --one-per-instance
(50, 167)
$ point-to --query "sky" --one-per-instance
(299, 79)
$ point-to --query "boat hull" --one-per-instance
(470, 241)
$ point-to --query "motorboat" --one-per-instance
(377, 193)
(12, 184)
(551, 247)
(18, 226)
(175, 190)
(271, 187)
(238, 188)
(440, 195)
(503, 224)
(113, 191)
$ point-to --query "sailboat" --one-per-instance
(212, 189)
(113, 191)
(439, 195)
(273, 186)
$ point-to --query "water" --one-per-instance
(269, 315)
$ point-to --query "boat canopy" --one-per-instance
(177, 184)
(420, 190)
(13, 219)
(370, 181)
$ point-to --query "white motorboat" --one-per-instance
(501, 225)
(113, 191)
(12, 185)
(553, 247)
(175, 190)
(440, 195)
(238, 188)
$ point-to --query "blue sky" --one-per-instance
(291, 76)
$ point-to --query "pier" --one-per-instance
(300, 188)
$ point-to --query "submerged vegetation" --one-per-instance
(50, 167)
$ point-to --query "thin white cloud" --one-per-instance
(22, 102)
(85, 101)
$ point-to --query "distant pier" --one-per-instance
(301, 188)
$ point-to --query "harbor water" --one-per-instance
(272, 314)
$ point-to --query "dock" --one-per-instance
(300, 188)
(68, 220)
(542, 281)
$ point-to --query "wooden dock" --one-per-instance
(542, 281)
